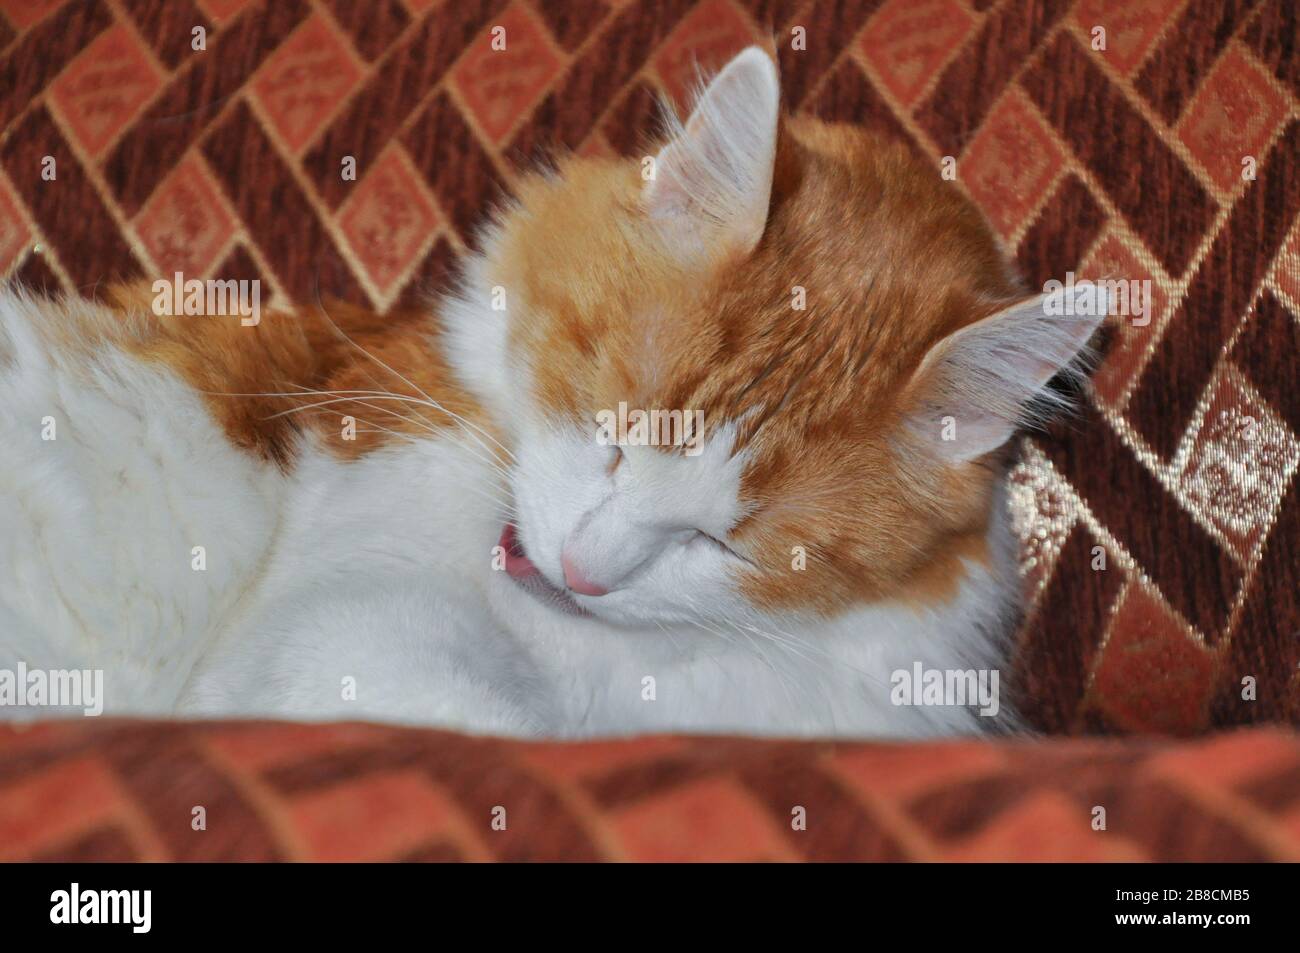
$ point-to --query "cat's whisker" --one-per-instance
(504, 503)
(753, 647)
(320, 305)
(344, 395)
(827, 658)
(425, 425)
(376, 428)
(749, 631)
(781, 677)
(501, 507)
(827, 662)
(666, 631)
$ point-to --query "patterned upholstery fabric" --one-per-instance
(122, 791)
(1159, 527)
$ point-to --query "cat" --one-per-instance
(458, 516)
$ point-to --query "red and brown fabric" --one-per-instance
(132, 791)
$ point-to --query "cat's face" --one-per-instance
(770, 378)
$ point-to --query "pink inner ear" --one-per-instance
(713, 181)
(666, 196)
(985, 374)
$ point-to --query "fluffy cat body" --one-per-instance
(202, 528)
(375, 572)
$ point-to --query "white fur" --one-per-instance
(98, 525)
(375, 605)
(475, 337)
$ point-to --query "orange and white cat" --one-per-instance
(203, 524)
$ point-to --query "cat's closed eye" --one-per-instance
(726, 547)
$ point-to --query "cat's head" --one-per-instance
(826, 341)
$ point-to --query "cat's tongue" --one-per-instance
(518, 565)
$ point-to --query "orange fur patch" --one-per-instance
(267, 384)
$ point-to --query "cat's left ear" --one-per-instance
(713, 180)
(977, 385)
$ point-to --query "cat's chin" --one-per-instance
(529, 578)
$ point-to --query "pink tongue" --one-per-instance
(518, 566)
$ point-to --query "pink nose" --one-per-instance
(575, 580)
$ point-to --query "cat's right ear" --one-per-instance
(712, 183)
(977, 385)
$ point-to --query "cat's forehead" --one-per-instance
(867, 260)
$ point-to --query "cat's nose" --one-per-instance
(576, 580)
